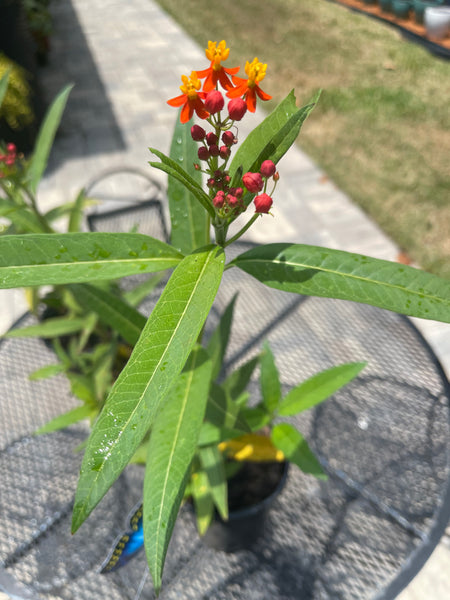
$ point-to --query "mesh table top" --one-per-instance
(363, 534)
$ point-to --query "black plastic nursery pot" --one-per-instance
(247, 522)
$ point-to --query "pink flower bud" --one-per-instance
(268, 168)
(211, 182)
(219, 199)
(211, 139)
(228, 138)
(263, 203)
(203, 153)
(253, 182)
(237, 109)
(232, 201)
(214, 102)
(224, 152)
(197, 133)
(11, 148)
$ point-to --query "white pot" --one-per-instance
(437, 22)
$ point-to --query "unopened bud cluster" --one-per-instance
(257, 182)
(7, 160)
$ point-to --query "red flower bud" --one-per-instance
(237, 109)
(197, 133)
(224, 152)
(214, 102)
(11, 148)
(228, 138)
(263, 203)
(253, 182)
(203, 153)
(268, 168)
(214, 150)
(219, 199)
(232, 201)
(211, 138)
(276, 176)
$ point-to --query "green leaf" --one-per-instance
(83, 388)
(160, 354)
(4, 85)
(212, 434)
(211, 460)
(50, 328)
(111, 310)
(203, 500)
(238, 380)
(273, 137)
(222, 411)
(54, 259)
(76, 213)
(318, 388)
(47, 371)
(256, 417)
(136, 295)
(172, 446)
(295, 448)
(270, 380)
(218, 342)
(21, 216)
(316, 271)
(45, 138)
(66, 419)
(189, 220)
(173, 169)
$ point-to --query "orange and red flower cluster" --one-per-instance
(208, 100)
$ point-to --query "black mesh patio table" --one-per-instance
(362, 534)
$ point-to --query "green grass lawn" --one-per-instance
(382, 127)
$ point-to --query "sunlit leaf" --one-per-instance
(273, 137)
(160, 354)
(189, 219)
(54, 259)
(295, 448)
(318, 388)
(45, 138)
(173, 442)
(316, 271)
(69, 418)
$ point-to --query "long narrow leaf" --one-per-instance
(111, 310)
(69, 418)
(172, 446)
(212, 462)
(53, 259)
(160, 354)
(76, 214)
(270, 380)
(45, 139)
(218, 342)
(189, 220)
(51, 328)
(173, 168)
(316, 271)
(318, 388)
(273, 137)
(295, 448)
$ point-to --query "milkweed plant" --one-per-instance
(166, 407)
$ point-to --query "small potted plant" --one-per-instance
(168, 402)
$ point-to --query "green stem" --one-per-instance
(243, 230)
(46, 227)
